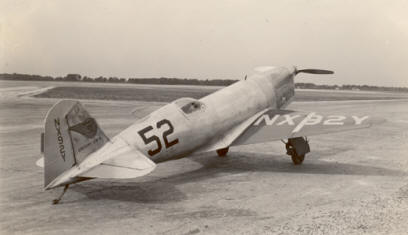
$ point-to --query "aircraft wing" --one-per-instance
(226, 139)
(283, 124)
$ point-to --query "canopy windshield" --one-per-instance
(189, 105)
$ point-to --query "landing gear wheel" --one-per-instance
(297, 159)
(222, 152)
(297, 149)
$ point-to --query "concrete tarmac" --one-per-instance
(351, 183)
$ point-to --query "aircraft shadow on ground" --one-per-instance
(164, 189)
(156, 191)
(255, 162)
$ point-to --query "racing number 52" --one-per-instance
(154, 138)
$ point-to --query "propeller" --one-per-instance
(313, 71)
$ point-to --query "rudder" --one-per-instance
(71, 134)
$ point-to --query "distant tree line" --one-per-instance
(350, 87)
(79, 78)
(184, 81)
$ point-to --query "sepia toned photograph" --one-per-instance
(203, 117)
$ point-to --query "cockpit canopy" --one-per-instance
(189, 105)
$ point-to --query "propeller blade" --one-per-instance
(314, 71)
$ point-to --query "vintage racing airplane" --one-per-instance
(247, 112)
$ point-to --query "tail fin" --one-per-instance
(71, 134)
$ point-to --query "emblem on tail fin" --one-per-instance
(86, 128)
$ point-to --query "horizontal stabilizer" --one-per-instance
(129, 164)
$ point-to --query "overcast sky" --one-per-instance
(365, 42)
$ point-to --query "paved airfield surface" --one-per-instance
(352, 182)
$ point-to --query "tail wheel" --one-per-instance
(297, 159)
(222, 152)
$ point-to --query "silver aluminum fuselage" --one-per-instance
(221, 111)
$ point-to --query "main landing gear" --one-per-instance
(297, 149)
(222, 152)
